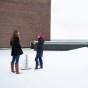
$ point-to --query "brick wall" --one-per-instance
(29, 17)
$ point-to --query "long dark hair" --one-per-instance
(15, 34)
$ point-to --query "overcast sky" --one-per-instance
(69, 19)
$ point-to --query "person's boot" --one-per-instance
(36, 67)
(17, 68)
(41, 66)
(12, 67)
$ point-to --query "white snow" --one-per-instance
(62, 69)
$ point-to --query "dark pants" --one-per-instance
(15, 59)
(39, 61)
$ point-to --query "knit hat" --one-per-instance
(40, 34)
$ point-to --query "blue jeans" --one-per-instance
(38, 61)
(15, 59)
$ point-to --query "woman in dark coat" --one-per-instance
(16, 51)
(39, 51)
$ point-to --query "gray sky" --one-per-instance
(69, 19)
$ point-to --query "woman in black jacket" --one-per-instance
(39, 51)
(16, 51)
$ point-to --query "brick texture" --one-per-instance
(29, 17)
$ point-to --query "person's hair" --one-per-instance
(15, 34)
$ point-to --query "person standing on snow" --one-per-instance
(38, 58)
(16, 51)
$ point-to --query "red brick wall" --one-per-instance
(28, 16)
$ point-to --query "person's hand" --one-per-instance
(34, 41)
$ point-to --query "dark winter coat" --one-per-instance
(16, 47)
(40, 47)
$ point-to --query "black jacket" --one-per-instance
(16, 47)
(40, 47)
